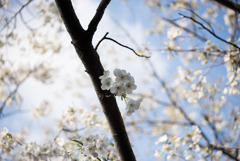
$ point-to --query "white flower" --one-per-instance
(162, 139)
(113, 154)
(117, 72)
(196, 129)
(188, 156)
(94, 145)
(132, 106)
(173, 32)
(196, 137)
(102, 149)
(121, 76)
(101, 141)
(129, 87)
(106, 83)
(87, 139)
(157, 154)
(43, 110)
(3, 132)
(60, 141)
(117, 89)
(105, 74)
(89, 150)
(166, 148)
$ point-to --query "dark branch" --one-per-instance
(229, 4)
(70, 130)
(194, 13)
(101, 41)
(70, 19)
(92, 27)
(226, 151)
(230, 43)
(82, 41)
(108, 38)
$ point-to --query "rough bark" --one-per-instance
(82, 42)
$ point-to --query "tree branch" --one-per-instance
(99, 42)
(226, 151)
(230, 43)
(92, 27)
(81, 40)
(229, 4)
(175, 104)
(71, 21)
(185, 29)
(108, 38)
(11, 94)
(14, 16)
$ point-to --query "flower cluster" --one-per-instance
(33, 151)
(96, 146)
(124, 84)
(6, 141)
(171, 146)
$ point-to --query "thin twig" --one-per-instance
(174, 103)
(25, 23)
(14, 92)
(108, 38)
(14, 16)
(226, 151)
(159, 122)
(13, 113)
(101, 41)
(185, 29)
(230, 43)
(201, 19)
(213, 128)
(69, 130)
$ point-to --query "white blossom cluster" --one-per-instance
(28, 151)
(209, 46)
(33, 151)
(95, 147)
(172, 145)
(196, 81)
(6, 141)
(124, 84)
(74, 117)
(174, 32)
(233, 73)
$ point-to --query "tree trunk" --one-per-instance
(82, 42)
